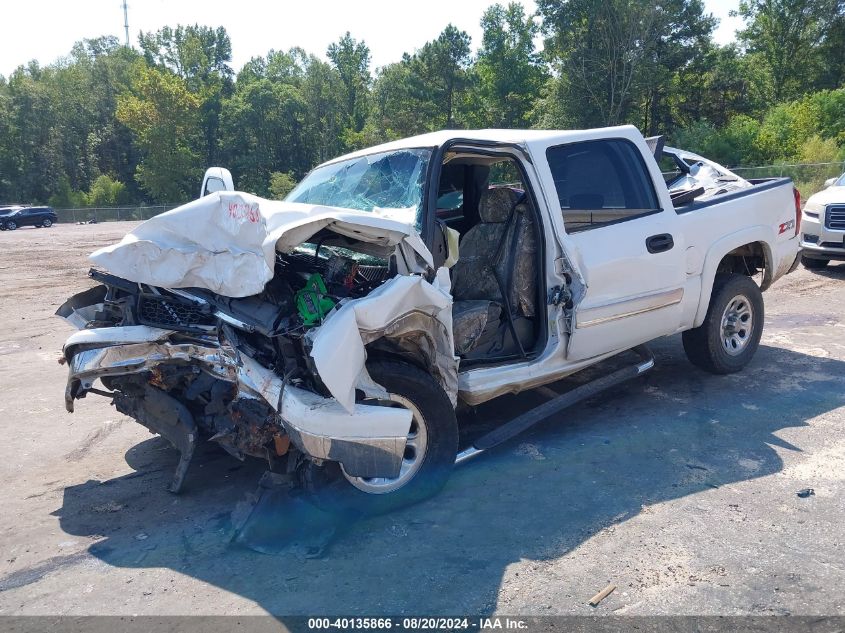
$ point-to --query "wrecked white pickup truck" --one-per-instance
(335, 333)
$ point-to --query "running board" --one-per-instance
(538, 414)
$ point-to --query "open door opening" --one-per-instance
(497, 285)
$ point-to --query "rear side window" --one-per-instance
(601, 182)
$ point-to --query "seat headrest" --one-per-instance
(496, 204)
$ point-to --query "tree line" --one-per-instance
(110, 124)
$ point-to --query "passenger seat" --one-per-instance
(503, 243)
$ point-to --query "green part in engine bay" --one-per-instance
(312, 301)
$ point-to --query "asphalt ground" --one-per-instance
(679, 488)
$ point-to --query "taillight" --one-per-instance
(797, 195)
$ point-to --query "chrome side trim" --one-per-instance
(635, 306)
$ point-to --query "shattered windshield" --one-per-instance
(388, 183)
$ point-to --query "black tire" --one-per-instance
(331, 490)
(11, 226)
(37, 226)
(47, 223)
(814, 264)
(706, 346)
(2, 226)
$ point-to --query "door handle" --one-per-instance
(659, 243)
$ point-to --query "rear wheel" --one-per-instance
(729, 337)
(429, 452)
(11, 226)
(814, 264)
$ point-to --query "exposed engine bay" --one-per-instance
(191, 364)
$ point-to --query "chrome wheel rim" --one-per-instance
(737, 323)
(415, 449)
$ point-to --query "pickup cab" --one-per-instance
(337, 331)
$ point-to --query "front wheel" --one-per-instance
(814, 264)
(429, 451)
(46, 223)
(729, 337)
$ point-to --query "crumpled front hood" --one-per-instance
(226, 242)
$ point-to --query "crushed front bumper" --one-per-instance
(367, 442)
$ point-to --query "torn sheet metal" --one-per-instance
(368, 442)
(406, 309)
(226, 242)
(698, 171)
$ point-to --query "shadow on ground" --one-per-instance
(834, 270)
(677, 432)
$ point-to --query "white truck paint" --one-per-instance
(613, 284)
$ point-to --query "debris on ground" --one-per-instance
(806, 492)
(109, 506)
(601, 595)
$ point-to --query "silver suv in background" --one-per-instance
(823, 225)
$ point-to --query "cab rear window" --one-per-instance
(601, 182)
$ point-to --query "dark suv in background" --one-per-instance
(13, 217)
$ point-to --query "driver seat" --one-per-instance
(496, 255)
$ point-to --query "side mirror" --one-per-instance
(216, 179)
(829, 182)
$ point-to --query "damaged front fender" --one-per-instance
(409, 311)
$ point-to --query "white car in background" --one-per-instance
(823, 225)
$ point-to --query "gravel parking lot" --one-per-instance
(679, 488)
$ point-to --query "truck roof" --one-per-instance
(434, 139)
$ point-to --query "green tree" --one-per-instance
(399, 107)
(195, 53)
(324, 112)
(262, 129)
(200, 56)
(601, 48)
(281, 184)
(787, 35)
(509, 70)
(31, 140)
(351, 60)
(719, 84)
(106, 192)
(439, 73)
(164, 117)
(618, 60)
(66, 197)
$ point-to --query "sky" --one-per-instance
(47, 29)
